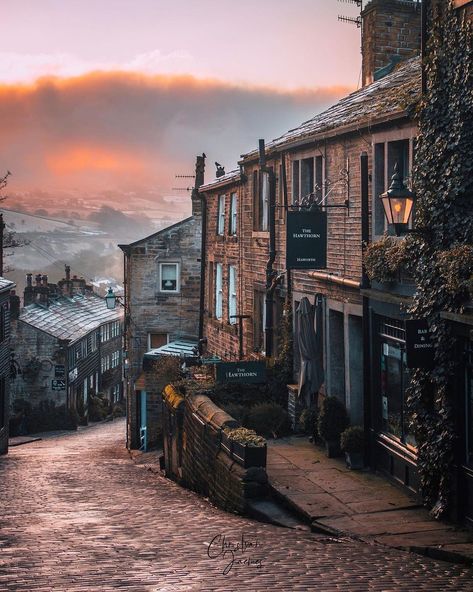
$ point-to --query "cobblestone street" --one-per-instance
(78, 514)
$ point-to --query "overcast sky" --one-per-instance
(141, 86)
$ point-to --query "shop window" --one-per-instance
(169, 277)
(221, 215)
(233, 213)
(393, 380)
(218, 291)
(232, 294)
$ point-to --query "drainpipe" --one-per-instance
(285, 204)
(424, 15)
(269, 300)
(202, 269)
(365, 283)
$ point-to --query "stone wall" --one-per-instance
(37, 353)
(195, 458)
(155, 312)
(4, 370)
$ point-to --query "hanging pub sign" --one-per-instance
(419, 347)
(306, 243)
(241, 372)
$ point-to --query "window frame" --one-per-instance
(386, 140)
(177, 266)
(221, 214)
(232, 294)
(233, 217)
(218, 291)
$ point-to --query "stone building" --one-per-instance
(67, 343)
(162, 298)
(5, 361)
(342, 160)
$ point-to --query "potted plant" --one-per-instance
(247, 448)
(352, 442)
(333, 419)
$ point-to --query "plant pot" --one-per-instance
(332, 448)
(354, 460)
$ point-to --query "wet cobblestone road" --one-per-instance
(77, 514)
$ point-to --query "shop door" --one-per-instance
(468, 466)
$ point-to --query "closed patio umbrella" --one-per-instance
(309, 342)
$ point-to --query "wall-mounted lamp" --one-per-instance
(398, 202)
(112, 299)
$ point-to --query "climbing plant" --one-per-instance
(443, 182)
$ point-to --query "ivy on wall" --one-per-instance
(443, 182)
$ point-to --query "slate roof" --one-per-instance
(150, 236)
(70, 318)
(6, 284)
(227, 179)
(386, 98)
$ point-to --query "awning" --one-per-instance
(183, 348)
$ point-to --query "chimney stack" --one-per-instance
(199, 180)
(391, 33)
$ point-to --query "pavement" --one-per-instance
(79, 514)
(337, 501)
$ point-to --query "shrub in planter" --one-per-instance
(332, 421)
(307, 423)
(352, 443)
(269, 419)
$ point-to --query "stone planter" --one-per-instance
(354, 460)
(332, 448)
(247, 456)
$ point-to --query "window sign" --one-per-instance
(306, 246)
(419, 347)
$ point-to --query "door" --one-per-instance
(468, 465)
(143, 422)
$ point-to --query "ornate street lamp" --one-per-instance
(397, 202)
(111, 299)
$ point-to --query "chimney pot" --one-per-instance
(29, 280)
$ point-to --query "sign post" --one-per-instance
(306, 244)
